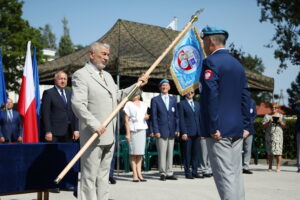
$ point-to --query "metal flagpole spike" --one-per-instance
(194, 17)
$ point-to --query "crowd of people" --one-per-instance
(216, 134)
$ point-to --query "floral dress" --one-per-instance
(274, 136)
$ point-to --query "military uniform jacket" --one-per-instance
(164, 121)
(224, 95)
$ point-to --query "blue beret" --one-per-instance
(163, 81)
(210, 30)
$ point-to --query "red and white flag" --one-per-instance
(26, 105)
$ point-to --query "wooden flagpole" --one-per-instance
(194, 18)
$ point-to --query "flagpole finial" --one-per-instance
(194, 17)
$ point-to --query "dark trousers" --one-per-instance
(67, 138)
(191, 150)
(112, 167)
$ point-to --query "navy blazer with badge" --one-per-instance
(10, 129)
(222, 80)
(164, 121)
(56, 115)
(189, 120)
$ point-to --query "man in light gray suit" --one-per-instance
(95, 96)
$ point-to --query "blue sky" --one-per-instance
(89, 20)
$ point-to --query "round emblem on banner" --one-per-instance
(186, 59)
(207, 74)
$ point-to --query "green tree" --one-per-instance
(15, 32)
(48, 38)
(294, 91)
(285, 16)
(65, 45)
(254, 64)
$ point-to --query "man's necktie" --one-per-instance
(192, 105)
(166, 100)
(102, 77)
(63, 96)
(10, 116)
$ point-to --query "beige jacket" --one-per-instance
(93, 101)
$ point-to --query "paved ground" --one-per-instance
(262, 185)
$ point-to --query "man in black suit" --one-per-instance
(189, 121)
(58, 120)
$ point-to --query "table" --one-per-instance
(34, 166)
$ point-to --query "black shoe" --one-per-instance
(69, 189)
(54, 190)
(112, 180)
(198, 175)
(298, 171)
(143, 180)
(207, 175)
(162, 177)
(247, 171)
(135, 181)
(171, 177)
(189, 176)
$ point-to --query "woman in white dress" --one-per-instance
(135, 123)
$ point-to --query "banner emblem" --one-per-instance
(188, 58)
(187, 62)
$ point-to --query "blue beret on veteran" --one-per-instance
(163, 81)
(210, 30)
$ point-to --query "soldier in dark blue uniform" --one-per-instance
(225, 113)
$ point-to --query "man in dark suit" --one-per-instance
(247, 143)
(189, 122)
(164, 119)
(58, 120)
(10, 124)
(225, 113)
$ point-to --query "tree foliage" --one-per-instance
(254, 64)
(48, 38)
(65, 45)
(294, 91)
(15, 32)
(285, 16)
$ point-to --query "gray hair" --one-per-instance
(59, 72)
(218, 39)
(95, 46)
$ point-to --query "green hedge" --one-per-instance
(289, 138)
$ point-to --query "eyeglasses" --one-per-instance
(275, 107)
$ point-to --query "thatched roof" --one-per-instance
(134, 48)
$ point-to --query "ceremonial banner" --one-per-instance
(26, 105)
(187, 62)
(3, 96)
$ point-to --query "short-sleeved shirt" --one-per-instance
(136, 116)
